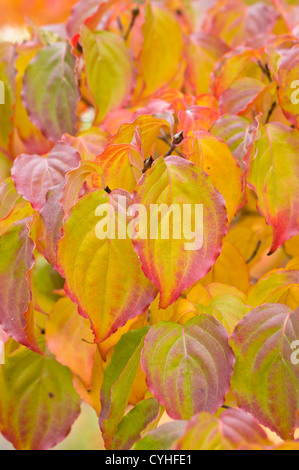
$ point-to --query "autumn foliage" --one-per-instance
(167, 102)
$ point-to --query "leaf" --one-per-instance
(197, 117)
(50, 91)
(214, 157)
(88, 143)
(239, 63)
(273, 176)
(7, 76)
(230, 268)
(46, 287)
(81, 11)
(122, 165)
(34, 175)
(246, 94)
(74, 182)
(9, 197)
(25, 136)
(107, 269)
(188, 368)
(234, 22)
(119, 376)
(148, 129)
(16, 263)
(292, 246)
(38, 403)
(265, 381)
(227, 309)
(109, 69)
(166, 262)
(162, 44)
(135, 423)
(52, 218)
(203, 50)
(91, 394)
(163, 437)
(239, 134)
(288, 85)
(176, 312)
(68, 337)
(251, 237)
(233, 429)
(272, 286)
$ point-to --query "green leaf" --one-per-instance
(163, 437)
(38, 403)
(144, 416)
(119, 376)
(109, 69)
(50, 92)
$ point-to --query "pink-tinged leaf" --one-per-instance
(80, 12)
(34, 175)
(234, 21)
(60, 200)
(52, 217)
(171, 264)
(103, 276)
(163, 437)
(16, 263)
(241, 62)
(196, 118)
(88, 143)
(118, 381)
(265, 379)
(88, 12)
(38, 403)
(239, 134)
(233, 429)
(188, 368)
(241, 95)
(50, 92)
(3, 336)
(274, 176)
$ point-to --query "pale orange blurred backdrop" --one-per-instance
(42, 12)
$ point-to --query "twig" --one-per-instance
(255, 252)
(271, 110)
(266, 70)
(177, 140)
(135, 13)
